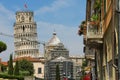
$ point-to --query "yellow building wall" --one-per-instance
(36, 66)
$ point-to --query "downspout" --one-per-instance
(118, 11)
(113, 49)
(113, 26)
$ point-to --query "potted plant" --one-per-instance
(97, 5)
(94, 19)
(81, 28)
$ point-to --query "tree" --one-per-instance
(25, 65)
(84, 64)
(57, 72)
(3, 68)
(3, 46)
(16, 69)
(10, 65)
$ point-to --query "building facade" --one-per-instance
(100, 32)
(77, 66)
(38, 65)
(65, 68)
(26, 47)
(25, 35)
(57, 54)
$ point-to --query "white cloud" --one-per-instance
(6, 13)
(68, 35)
(56, 5)
(6, 23)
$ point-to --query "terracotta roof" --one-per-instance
(4, 63)
(29, 59)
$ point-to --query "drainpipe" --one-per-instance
(119, 45)
(113, 24)
(118, 11)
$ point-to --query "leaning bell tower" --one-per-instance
(25, 35)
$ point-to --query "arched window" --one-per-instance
(23, 28)
(30, 19)
(22, 19)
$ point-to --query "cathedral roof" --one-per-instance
(54, 40)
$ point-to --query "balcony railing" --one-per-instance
(94, 31)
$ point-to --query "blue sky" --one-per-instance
(63, 16)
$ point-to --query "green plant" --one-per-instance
(57, 72)
(82, 25)
(25, 65)
(3, 46)
(24, 73)
(80, 32)
(10, 65)
(94, 17)
(97, 4)
(83, 22)
(3, 68)
(16, 69)
(6, 76)
(81, 28)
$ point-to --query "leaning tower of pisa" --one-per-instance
(25, 35)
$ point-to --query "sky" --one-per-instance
(63, 16)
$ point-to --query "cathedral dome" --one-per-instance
(54, 40)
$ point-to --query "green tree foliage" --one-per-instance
(3, 46)
(25, 65)
(10, 65)
(84, 64)
(16, 69)
(57, 72)
(3, 68)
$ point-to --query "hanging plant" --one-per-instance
(94, 19)
(81, 28)
(80, 32)
(82, 25)
(97, 5)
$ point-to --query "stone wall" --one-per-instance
(29, 78)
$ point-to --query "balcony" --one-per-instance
(89, 53)
(94, 33)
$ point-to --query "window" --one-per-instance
(22, 19)
(30, 19)
(39, 71)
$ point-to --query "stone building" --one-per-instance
(100, 31)
(57, 54)
(77, 66)
(26, 41)
(26, 47)
(25, 35)
(54, 48)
